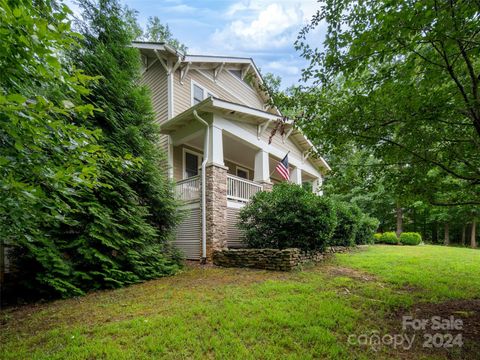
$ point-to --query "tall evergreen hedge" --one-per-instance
(84, 200)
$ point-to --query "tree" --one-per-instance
(158, 32)
(394, 73)
(48, 158)
(125, 227)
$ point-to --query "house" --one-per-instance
(216, 129)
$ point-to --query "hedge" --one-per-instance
(389, 237)
(410, 238)
(366, 230)
(347, 224)
(288, 216)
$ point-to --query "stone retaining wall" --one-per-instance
(270, 259)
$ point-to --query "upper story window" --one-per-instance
(199, 93)
(246, 79)
(237, 73)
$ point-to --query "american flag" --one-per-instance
(282, 168)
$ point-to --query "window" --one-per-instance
(191, 164)
(199, 94)
(237, 73)
(243, 173)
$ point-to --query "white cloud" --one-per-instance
(281, 66)
(261, 24)
(180, 8)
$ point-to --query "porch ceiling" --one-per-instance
(237, 151)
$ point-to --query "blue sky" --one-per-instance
(262, 29)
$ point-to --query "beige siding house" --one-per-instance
(216, 131)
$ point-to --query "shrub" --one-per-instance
(389, 237)
(410, 238)
(377, 238)
(366, 230)
(347, 224)
(288, 216)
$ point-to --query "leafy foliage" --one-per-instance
(288, 216)
(410, 238)
(366, 230)
(48, 158)
(83, 200)
(347, 224)
(396, 73)
(158, 32)
(129, 222)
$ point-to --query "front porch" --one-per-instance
(239, 160)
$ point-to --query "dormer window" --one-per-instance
(199, 93)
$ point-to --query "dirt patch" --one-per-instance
(348, 272)
(450, 329)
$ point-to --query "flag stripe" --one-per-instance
(283, 171)
(282, 168)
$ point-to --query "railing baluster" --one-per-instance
(240, 189)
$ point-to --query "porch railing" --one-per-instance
(240, 189)
(188, 189)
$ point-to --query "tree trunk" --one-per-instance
(446, 241)
(473, 236)
(399, 220)
(464, 229)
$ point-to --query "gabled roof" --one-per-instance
(244, 64)
(245, 114)
(242, 112)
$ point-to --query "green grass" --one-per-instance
(244, 314)
(440, 273)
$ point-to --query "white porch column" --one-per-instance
(262, 168)
(316, 186)
(215, 148)
(296, 176)
(170, 157)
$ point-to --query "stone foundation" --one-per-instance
(270, 259)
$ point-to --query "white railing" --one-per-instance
(240, 189)
(188, 189)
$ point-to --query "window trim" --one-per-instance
(243, 169)
(184, 160)
(205, 90)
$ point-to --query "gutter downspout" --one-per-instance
(204, 176)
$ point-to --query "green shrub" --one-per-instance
(377, 238)
(410, 238)
(288, 216)
(389, 237)
(366, 230)
(347, 224)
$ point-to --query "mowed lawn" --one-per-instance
(215, 313)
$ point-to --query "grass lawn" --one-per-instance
(252, 314)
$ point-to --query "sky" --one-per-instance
(264, 30)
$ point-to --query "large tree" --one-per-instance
(48, 158)
(127, 225)
(401, 79)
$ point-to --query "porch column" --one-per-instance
(316, 186)
(262, 169)
(215, 193)
(170, 157)
(215, 147)
(296, 176)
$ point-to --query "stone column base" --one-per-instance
(216, 208)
